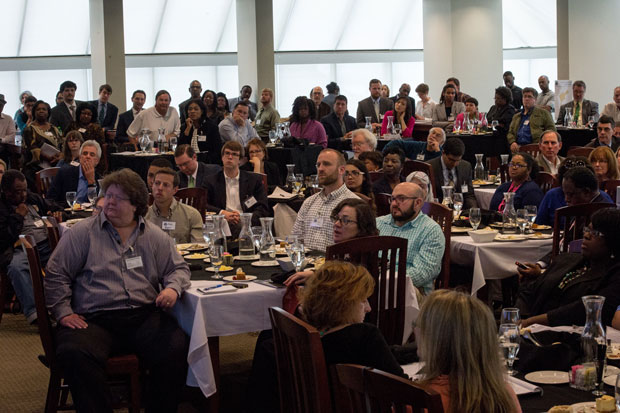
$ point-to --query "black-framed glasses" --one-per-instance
(516, 165)
(343, 220)
(399, 199)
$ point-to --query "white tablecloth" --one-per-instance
(484, 195)
(495, 260)
(202, 316)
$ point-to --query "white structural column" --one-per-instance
(463, 38)
(108, 48)
(593, 34)
(562, 31)
(264, 47)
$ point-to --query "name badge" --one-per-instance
(168, 225)
(38, 223)
(74, 163)
(527, 122)
(250, 202)
(464, 188)
(316, 222)
(133, 262)
(257, 122)
(202, 138)
(419, 157)
(49, 134)
(81, 130)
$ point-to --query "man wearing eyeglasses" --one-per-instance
(529, 123)
(426, 242)
(192, 173)
(604, 130)
(233, 191)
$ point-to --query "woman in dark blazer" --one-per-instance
(258, 163)
(199, 130)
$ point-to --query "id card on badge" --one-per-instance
(316, 222)
(132, 259)
(168, 225)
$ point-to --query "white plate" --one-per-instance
(510, 237)
(540, 227)
(610, 375)
(542, 236)
(247, 257)
(585, 407)
(247, 278)
(197, 246)
(211, 269)
(195, 256)
(547, 377)
(273, 263)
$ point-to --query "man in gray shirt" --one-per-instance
(546, 99)
(107, 284)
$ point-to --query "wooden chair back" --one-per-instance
(532, 149)
(569, 223)
(382, 201)
(43, 179)
(374, 176)
(493, 164)
(610, 187)
(380, 255)
(412, 166)
(53, 234)
(579, 151)
(302, 372)
(103, 163)
(195, 197)
(264, 179)
(546, 181)
(442, 215)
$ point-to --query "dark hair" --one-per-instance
(233, 146)
(531, 90)
(571, 162)
(214, 104)
(83, 106)
(582, 178)
(373, 81)
(241, 103)
(366, 220)
(30, 99)
(67, 84)
(454, 80)
(169, 171)
(41, 102)
(505, 93)
(244, 86)
(408, 109)
(443, 91)
(508, 73)
(161, 162)
(257, 142)
(579, 83)
(106, 87)
(201, 105)
(67, 156)
(332, 87)
(184, 149)
(422, 88)
(395, 150)
(133, 95)
(162, 92)
(557, 135)
(472, 100)
(9, 178)
(222, 95)
(607, 221)
(602, 119)
(366, 184)
(299, 102)
(133, 186)
(532, 165)
(375, 157)
(453, 146)
(341, 97)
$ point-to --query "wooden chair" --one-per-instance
(104, 158)
(546, 181)
(579, 151)
(493, 164)
(532, 149)
(53, 234)
(569, 223)
(382, 201)
(57, 391)
(380, 255)
(263, 177)
(196, 197)
(611, 187)
(384, 392)
(374, 176)
(412, 166)
(302, 372)
(44, 178)
(442, 215)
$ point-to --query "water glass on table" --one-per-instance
(510, 316)
(457, 200)
(509, 338)
(475, 218)
(92, 195)
(532, 211)
(70, 197)
(215, 255)
(522, 220)
(256, 233)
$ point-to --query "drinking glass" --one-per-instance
(256, 233)
(70, 197)
(291, 240)
(299, 182)
(474, 217)
(510, 316)
(457, 201)
(297, 255)
(457, 127)
(532, 210)
(92, 195)
(504, 158)
(494, 124)
(397, 129)
(208, 232)
(173, 143)
(272, 137)
(215, 255)
(522, 220)
(315, 181)
(509, 344)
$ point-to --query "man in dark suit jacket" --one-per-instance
(64, 113)
(322, 108)
(587, 107)
(248, 187)
(366, 107)
(106, 112)
(449, 169)
(192, 174)
(124, 120)
(77, 178)
(405, 91)
(339, 125)
(605, 129)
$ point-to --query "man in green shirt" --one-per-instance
(267, 116)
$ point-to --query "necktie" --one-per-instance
(377, 109)
(101, 114)
(450, 178)
(343, 129)
(72, 110)
(577, 114)
(191, 183)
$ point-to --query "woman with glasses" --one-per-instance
(71, 148)
(258, 163)
(604, 163)
(200, 132)
(357, 180)
(522, 170)
(554, 298)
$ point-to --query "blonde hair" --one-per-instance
(606, 154)
(332, 296)
(459, 339)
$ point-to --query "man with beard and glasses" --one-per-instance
(313, 224)
(426, 241)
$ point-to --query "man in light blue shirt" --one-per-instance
(426, 242)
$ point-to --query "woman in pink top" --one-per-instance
(471, 110)
(402, 115)
(457, 340)
(303, 124)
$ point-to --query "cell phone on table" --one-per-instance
(522, 266)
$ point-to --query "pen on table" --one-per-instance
(212, 288)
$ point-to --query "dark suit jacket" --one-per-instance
(110, 115)
(271, 170)
(250, 185)
(615, 143)
(124, 120)
(589, 108)
(332, 128)
(204, 170)
(366, 107)
(61, 117)
(517, 97)
(66, 180)
(182, 107)
(322, 111)
(213, 144)
(463, 172)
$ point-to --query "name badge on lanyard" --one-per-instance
(132, 260)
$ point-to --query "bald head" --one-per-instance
(316, 95)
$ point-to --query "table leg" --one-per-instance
(214, 350)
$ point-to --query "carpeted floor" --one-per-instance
(23, 379)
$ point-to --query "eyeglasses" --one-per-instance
(516, 165)
(353, 173)
(343, 220)
(256, 152)
(399, 199)
(593, 232)
(233, 154)
(598, 161)
(115, 197)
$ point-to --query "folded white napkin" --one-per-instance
(522, 387)
(279, 193)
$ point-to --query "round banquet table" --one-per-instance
(303, 157)
(574, 137)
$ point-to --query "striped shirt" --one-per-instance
(89, 270)
(425, 247)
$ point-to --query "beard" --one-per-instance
(405, 215)
(328, 179)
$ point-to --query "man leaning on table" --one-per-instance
(426, 242)
(108, 283)
(313, 223)
(182, 222)
(579, 108)
(529, 123)
(548, 158)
